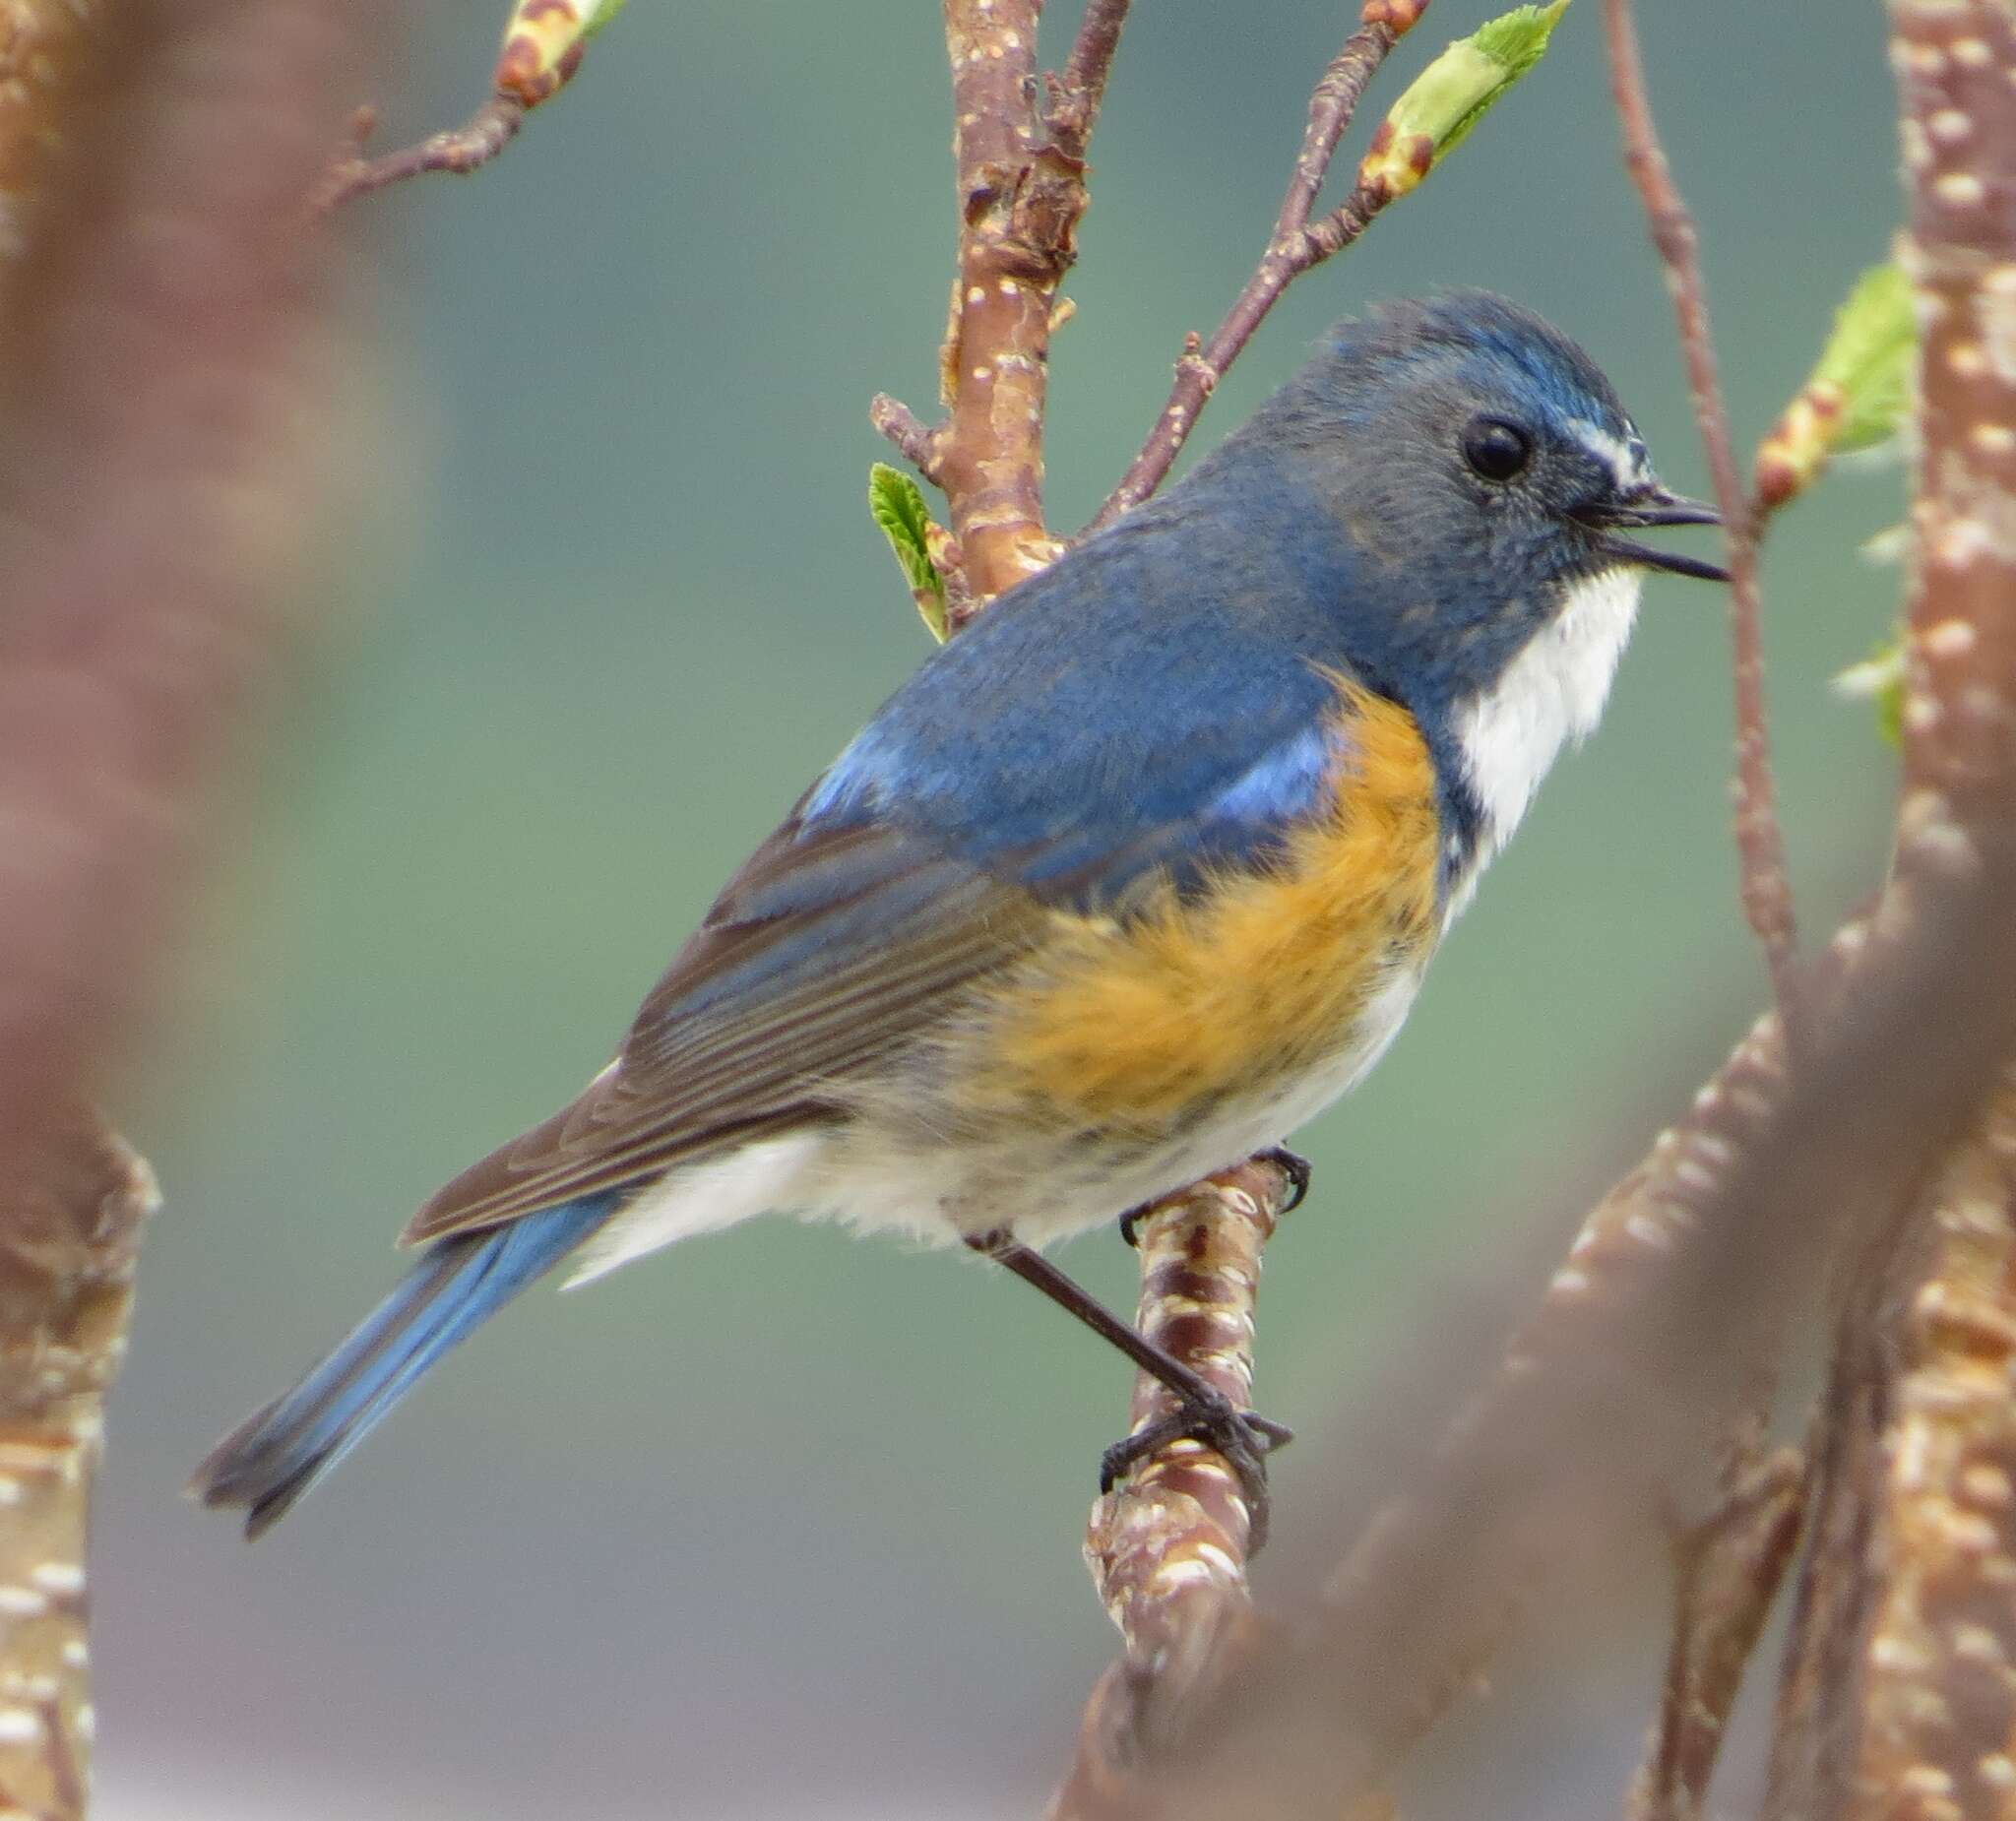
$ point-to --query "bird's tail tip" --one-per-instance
(279, 1452)
(229, 1476)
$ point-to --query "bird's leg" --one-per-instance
(1245, 1437)
(1291, 1163)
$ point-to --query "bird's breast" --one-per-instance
(1282, 982)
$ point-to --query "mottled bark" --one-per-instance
(1167, 1547)
(161, 386)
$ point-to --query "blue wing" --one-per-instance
(1124, 717)
(1137, 706)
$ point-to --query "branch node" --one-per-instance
(916, 439)
(460, 150)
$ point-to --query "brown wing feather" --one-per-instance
(824, 953)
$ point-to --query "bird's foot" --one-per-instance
(1291, 1163)
(1245, 1437)
(1299, 1170)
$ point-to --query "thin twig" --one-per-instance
(1076, 94)
(910, 434)
(1766, 893)
(1293, 247)
(543, 44)
(460, 150)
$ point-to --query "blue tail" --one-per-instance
(277, 1453)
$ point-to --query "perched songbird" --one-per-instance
(1128, 880)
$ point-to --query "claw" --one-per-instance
(1295, 1167)
(1291, 1163)
(1245, 1437)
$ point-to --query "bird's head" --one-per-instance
(1488, 486)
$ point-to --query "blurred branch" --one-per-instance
(40, 43)
(1292, 249)
(460, 150)
(1896, 1696)
(1766, 893)
(1899, 1697)
(161, 386)
(543, 44)
(1729, 1568)
(1167, 1548)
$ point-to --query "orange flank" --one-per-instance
(1113, 1024)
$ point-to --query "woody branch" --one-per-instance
(1896, 1696)
(158, 379)
(1019, 176)
(545, 41)
(1167, 1547)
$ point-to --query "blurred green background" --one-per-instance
(781, 1525)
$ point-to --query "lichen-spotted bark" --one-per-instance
(1937, 1667)
(1021, 193)
(71, 1204)
(1899, 1699)
(1167, 1547)
(70, 1225)
(165, 384)
(1956, 64)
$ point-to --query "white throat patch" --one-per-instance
(1552, 694)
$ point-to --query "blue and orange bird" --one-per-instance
(1126, 883)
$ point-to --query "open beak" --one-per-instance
(1654, 505)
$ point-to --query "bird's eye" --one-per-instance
(1497, 450)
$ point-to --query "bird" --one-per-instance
(1128, 880)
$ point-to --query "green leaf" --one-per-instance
(1515, 42)
(1443, 104)
(897, 505)
(602, 14)
(1870, 356)
(1857, 396)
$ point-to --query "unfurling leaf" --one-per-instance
(543, 44)
(1879, 678)
(897, 505)
(1450, 96)
(1858, 394)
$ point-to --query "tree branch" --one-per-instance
(1896, 1695)
(1728, 1571)
(161, 385)
(460, 150)
(543, 44)
(1169, 1548)
(1766, 894)
(1021, 186)
(69, 1244)
(1292, 249)
(1076, 94)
